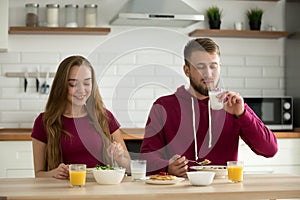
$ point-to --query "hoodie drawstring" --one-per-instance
(209, 126)
(194, 128)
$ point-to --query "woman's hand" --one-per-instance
(61, 172)
(116, 151)
(119, 150)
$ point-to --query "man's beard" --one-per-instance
(199, 88)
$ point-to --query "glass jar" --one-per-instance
(52, 15)
(32, 14)
(90, 15)
(71, 15)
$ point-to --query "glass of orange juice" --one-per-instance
(77, 173)
(235, 171)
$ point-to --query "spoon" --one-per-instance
(204, 162)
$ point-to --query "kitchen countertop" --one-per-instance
(254, 186)
(19, 134)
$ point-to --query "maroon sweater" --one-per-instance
(170, 130)
(85, 144)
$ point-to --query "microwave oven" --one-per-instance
(275, 112)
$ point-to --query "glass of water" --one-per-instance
(138, 170)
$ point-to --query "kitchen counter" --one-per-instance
(129, 134)
(259, 186)
(23, 134)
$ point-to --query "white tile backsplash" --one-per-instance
(37, 57)
(161, 58)
(28, 105)
(245, 71)
(9, 82)
(232, 60)
(9, 105)
(233, 82)
(132, 77)
(262, 60)
(275, 92)
(263, 83)
(17, 116)
(272, 71)
(136, 70)
(10, 57)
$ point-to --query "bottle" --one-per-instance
(52, 15)
(90, 13)
(32, 14)
(71, 15)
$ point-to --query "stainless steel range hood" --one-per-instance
(170, 13)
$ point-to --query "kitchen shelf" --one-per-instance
(238, 34)
(295, 35)
(30, 74)
(58, 30)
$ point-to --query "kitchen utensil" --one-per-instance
(45, 86)
(25, 81)
(204, 162)
(37, 81)
(113, 162)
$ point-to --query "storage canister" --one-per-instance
(32, 14)
(90, 13)
(52, 15)
(71, 15)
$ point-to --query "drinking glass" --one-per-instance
(235, 171)
(215, 104)
(77, 173)
(138, 170)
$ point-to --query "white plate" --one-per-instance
(221, 170)
(163, 182)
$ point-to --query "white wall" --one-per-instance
(136, 65)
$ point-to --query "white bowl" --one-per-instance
(109, 177)
(200, 178)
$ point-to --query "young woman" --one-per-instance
(76, 127)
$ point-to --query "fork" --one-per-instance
(204, 162)
(113, 162)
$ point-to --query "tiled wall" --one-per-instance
(132, 74)
(131, 84)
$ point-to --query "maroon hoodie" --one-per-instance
(177, 120)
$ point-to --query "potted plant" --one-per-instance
(214, 15)
(254, 16)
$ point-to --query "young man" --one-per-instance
(183, 127)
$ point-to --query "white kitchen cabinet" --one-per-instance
(16, 159)
(3, 25)
(287, 159)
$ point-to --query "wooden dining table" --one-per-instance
(254, 186)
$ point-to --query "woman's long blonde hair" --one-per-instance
(57, 103)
